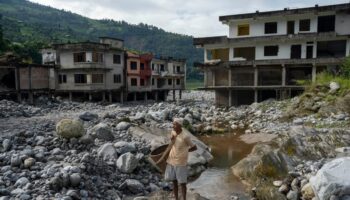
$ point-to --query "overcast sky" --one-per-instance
(192, 17)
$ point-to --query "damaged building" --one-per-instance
(267, 54)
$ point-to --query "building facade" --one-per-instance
(266, 54)
(88, 69)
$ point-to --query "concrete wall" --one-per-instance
(342, 24)
(38, 78)
(222, 97)
(116, 69)
(221, 77)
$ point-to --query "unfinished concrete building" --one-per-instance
(168, 74)
(266, 54)
(22, 81)
(88, 69)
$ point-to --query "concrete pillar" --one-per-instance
(230, 77)
(213, 77)
(135, 98)
(347, 53)
(205, 78)
(146, 98)
(255, 95)
(230, 98)
(156, 96)
(121, 97)
(70, 96)
(174, 95)
(30, 96)
(180, 94)
(103, 96)
(110, 97)
(90, 97)
(256, 76)
(205, 55)
(283, 75)
(19, 97)
(314, 73)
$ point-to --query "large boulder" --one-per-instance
(124, 147)
(70, 128)
(121, 126)
(107, 152)
(127, 163)
(102, 131)
(88, 116)
(332, 179)
(133, 185)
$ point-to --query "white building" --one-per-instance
(267, 53)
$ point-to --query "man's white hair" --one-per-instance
(178, 121)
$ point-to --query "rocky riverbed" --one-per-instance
(101, 150)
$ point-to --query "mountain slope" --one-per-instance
(23, 21)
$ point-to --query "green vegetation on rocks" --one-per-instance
(69, 128)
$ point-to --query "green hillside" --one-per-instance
(33, 25)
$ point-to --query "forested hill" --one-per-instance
(35, 25)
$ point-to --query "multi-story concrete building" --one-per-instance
(267, 53)
(138, 76)
(88, 69)
(168, 74)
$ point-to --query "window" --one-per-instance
(270, 50)
(170, 81)
(80, 78)
(243, 29)
(117, 78)
(97, 57)
(133, 65)
(117, 59)
(162, 68)
(270, 27)
(62, 78)
(178, 69)
(133, 82)
(79, 57)
(142, 66)
(97, 78)
(152, 66)
(152, 81)
(326, 23)
(142, 82)
(178, 81)
(304, 25)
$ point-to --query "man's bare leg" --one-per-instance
(175, 190)
(183, 190)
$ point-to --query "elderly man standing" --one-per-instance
(176, 169)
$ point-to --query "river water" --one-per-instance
(218, 182)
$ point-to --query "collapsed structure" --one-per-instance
(94, 71)
(267, 54)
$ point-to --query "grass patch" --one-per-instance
(325, 78)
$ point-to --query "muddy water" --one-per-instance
(217, 182)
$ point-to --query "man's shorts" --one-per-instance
(178, 173)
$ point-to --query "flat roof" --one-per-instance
(287, 11)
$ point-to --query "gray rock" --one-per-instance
(86, 139)
(124, 147)
(127, 163)
(283, 189)
(132, 185)
(68, 128)
(332, 179)
(307, 192)
(298, 121)
(6, 144)
(21, 182)
(55, 184)
(123, 126)
(293, 195)
(334, 86)
(102, 131)
(16, 160)
(75, 179)
(29, 162)
(107, 151)
(73, 194)
(88, 116)
(278, 183)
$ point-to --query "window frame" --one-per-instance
(170, 81)
(242, 26)
(77, 79)
(79, 57)
(132, 67)
(132, 83)
(117, 59)
(117, 78)
(62, 78)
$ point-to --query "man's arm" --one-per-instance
(192, 146)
